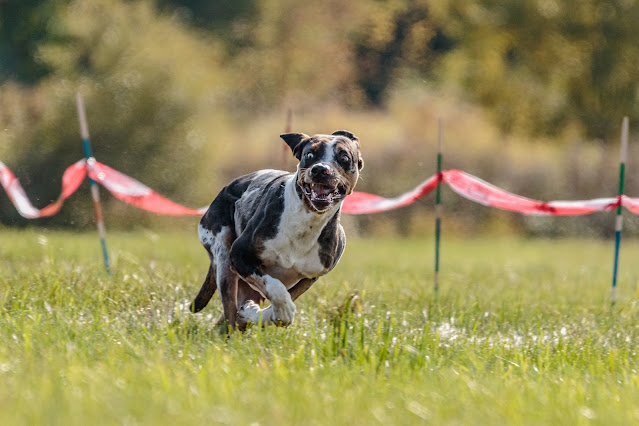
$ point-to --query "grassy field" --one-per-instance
(521, 332)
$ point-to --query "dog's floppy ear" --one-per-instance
(360, 162)
(295, 141)
(346, 133)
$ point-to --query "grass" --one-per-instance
(521, 333)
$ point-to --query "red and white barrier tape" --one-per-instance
(120, 185)
(71, 180)
(482, 192)
(365, 203)
(134, 192)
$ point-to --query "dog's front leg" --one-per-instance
(250, 312)
(282, 310)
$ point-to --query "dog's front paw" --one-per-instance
(283, 308)
(283, 314)
(249, 313)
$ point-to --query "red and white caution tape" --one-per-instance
(479, 191)
(120, 185)
(71, 180)
(364, 203)
(482, 192)
(468, 186)
(136, 193)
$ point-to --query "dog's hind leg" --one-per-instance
(300, 288)
(206, 292)
(227, 283)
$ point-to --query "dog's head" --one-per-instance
(329, 167)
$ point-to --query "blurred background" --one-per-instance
(185, 95)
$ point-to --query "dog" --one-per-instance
(271, 234)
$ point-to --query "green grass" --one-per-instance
(521, 332)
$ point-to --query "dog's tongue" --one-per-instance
(321, 191)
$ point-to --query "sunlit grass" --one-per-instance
(521, 332)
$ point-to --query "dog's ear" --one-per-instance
(295, 141)
(347, 134)
(360, 162)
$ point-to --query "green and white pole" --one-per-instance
(619, 221)
(95, 193)
(438, 213)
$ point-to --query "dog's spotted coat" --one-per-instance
(272, 234)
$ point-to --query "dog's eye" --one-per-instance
(310, 155)
(344, 159)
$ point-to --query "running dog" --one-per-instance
(271, 234)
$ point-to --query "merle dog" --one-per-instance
(271, 234)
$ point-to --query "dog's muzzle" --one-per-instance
(321, 187)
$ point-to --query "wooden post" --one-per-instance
(95, 193)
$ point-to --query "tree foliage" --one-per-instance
(141, 101)
(24, 26)
(156, 74)
(396, 37)
(542, 65)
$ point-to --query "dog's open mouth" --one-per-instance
(322, 196)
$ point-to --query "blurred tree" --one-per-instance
(23, 26)
(166, 81)
(227, 19)
(540, 66)
(396, 35)
(297, 53)
(144, 77)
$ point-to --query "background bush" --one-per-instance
(185, 95)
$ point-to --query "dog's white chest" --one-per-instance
(294, 253)
(295, 259)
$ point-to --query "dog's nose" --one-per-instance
(319, 170)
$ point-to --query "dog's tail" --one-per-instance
(206, 292)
